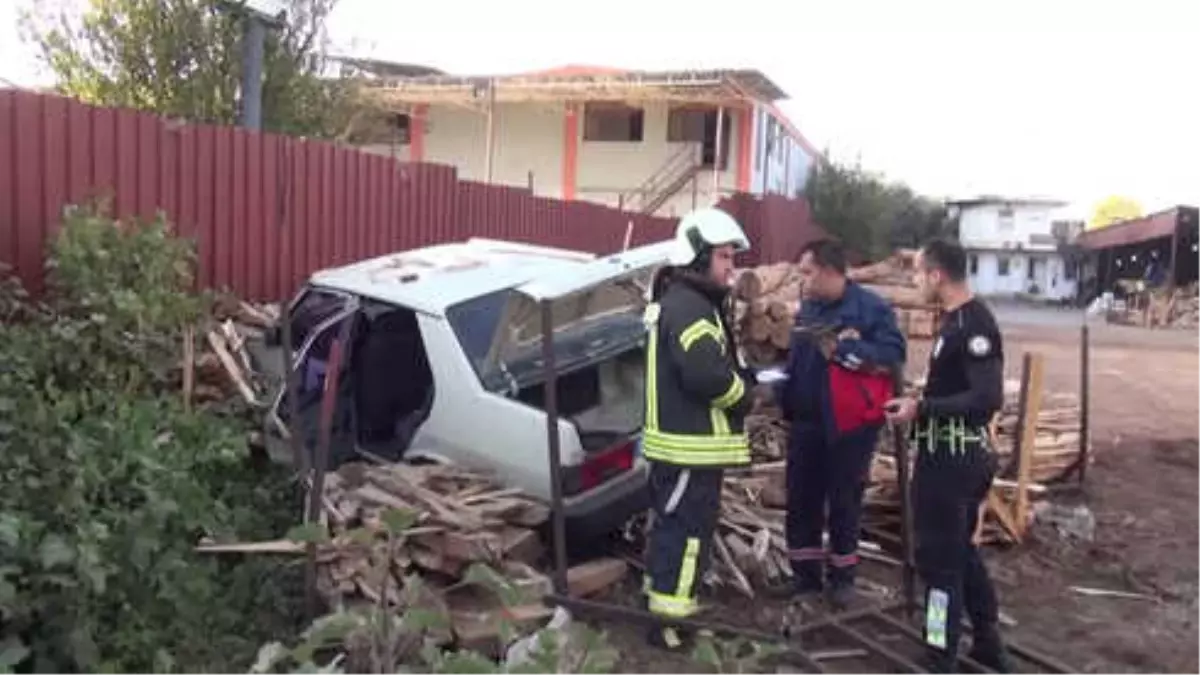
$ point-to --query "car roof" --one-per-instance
(432, 279)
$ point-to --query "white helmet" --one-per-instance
(702, 228)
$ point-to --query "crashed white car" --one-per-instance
(446, 359)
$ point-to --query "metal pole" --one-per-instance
(717, 150)
(491, 131)
(555, 450)
(252, 72)
(1084, 381)
(337, 353)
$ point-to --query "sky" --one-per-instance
(1058, 98)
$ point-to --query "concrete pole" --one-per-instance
(252, 72)
(717, 150)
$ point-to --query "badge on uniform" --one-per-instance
(979, 346)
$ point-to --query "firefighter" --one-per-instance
(845, 345)
(954, 465)
(697, 395)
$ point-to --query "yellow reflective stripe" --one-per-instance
(687, 569)
(704, 458)
(652, 378)
(720, 423)
(732, 395)
(689, 442)
(699, 329)
(670, 605)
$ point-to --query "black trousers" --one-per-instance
(823, 473)
(948, 490)
(687, 504)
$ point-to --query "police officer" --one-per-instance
(954, 465)
(845, 345)
(697, 395)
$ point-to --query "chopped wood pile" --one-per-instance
(473, 545)
(225, 369)
(1055, 449)
(1178, 308)
(751, 499)
(768, 297)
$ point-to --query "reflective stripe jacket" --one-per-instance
(696, 395)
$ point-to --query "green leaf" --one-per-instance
(269, 655)
(705, 652)
(10, 530)
(398, 520)
(12, 653)
(55, 551)
(308, 533)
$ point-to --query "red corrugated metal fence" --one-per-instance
(267, 210)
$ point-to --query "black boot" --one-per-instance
(939, 661)
(988, 649)
(841, 596)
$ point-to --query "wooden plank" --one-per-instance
(594, 576)
(1033, 375)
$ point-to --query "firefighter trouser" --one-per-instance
(821, 473)
(687, 503)
(954, 471)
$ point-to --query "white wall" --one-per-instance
(980, 226)
(529, 139)
(1049, 274)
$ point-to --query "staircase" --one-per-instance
(666, 182)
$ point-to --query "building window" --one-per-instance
(1002, 264)
(401, 128)
(1005, 220)
(1031, 269)
(612, 123)
(973, 261)
(686, 125)
(1070, 270)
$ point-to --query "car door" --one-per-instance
(322, 327)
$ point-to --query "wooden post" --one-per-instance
(189, 367)
(1174, 254)
(1084, 386)
(1031, 405)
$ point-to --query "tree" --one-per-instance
(1113, 209)
(869, 214)
(182, 58)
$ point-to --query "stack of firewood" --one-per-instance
(224, 368)
(767, 298)
(1055, 450)
(467, 550)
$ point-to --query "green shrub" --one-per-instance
(109, 482)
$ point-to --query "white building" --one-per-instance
(1013, 247)
(646, 141)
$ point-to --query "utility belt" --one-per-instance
(948, 434)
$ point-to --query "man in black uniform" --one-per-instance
(954, 465)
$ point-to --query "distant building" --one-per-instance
(647, 141)
(1168, 239)
(1015, 247)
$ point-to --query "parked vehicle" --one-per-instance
(445, 358)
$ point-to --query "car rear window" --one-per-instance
(474, 323)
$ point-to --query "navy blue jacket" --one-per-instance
(805, 396)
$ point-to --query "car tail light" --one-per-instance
(605, 464)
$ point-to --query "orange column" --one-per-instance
(570, 157)
(745, 138)
(416, 144)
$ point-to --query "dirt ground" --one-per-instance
(1141, 488)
